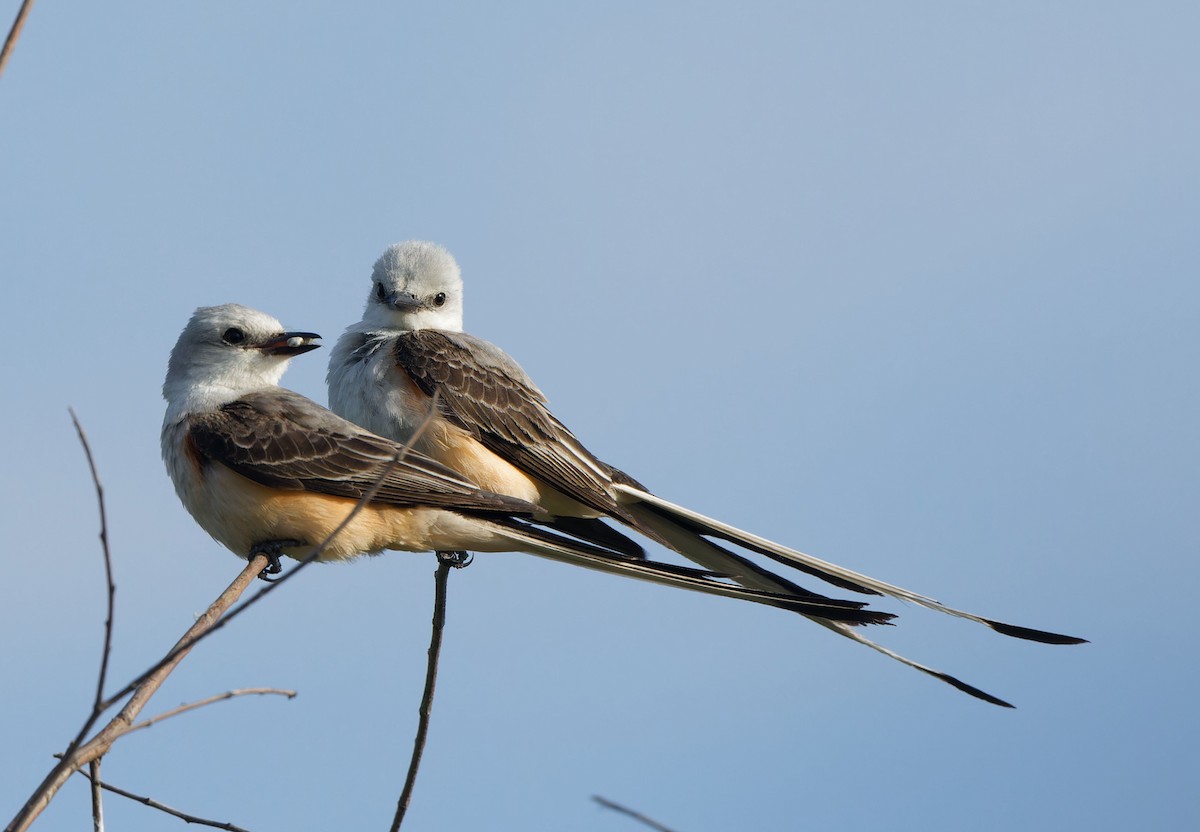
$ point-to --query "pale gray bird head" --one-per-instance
(416, 285)
(227, 351)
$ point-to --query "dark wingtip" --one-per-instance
(875, 617)
(833, 609)
(596, 531)
(971, 689)
(1029, 634)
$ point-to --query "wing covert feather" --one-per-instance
(283, 440)
(482, 390)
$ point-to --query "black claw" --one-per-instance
(458, 560)
(271, 549)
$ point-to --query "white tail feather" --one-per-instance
(545, 544)
(796, 556)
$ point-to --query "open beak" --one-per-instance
(291, 343)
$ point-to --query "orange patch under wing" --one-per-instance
(459, 450)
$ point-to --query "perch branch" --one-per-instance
(440, 580)
(76, 758)
(147, 684)
(366, 498)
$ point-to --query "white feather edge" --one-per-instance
(797, 556)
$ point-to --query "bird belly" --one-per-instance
(241, 513)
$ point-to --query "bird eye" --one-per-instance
(439, 299)
(379, 293)
(233, 335)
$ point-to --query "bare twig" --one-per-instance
(625, 810)
(95, 748)
(108, 570)
(220, 697)
(98, 705)
(440, 580)
(148, 683)
(97, 805)
(162, 807)
(15, 32)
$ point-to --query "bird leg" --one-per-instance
(456, 559)
(272, 550)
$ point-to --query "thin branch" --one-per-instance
(625, 810)
(220, 697)
(440, 580)
(74, 759)
(98, 704)
(108, 570)
(148, 683)
(97, 805)
(162, 807)
(15, 32)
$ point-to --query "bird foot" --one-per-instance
(272, 549)
(458, 560)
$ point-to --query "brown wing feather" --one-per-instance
(283, 440)
(481, 389)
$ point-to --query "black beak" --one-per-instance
(291, 343)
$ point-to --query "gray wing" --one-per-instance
(481, 389)
(282, 439)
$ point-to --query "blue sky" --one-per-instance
(910, 287)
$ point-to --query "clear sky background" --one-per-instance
(912, 287)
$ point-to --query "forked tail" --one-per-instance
(547, 544)
(685, 521)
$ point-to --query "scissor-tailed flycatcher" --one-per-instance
(495, 429)
(263, 469)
